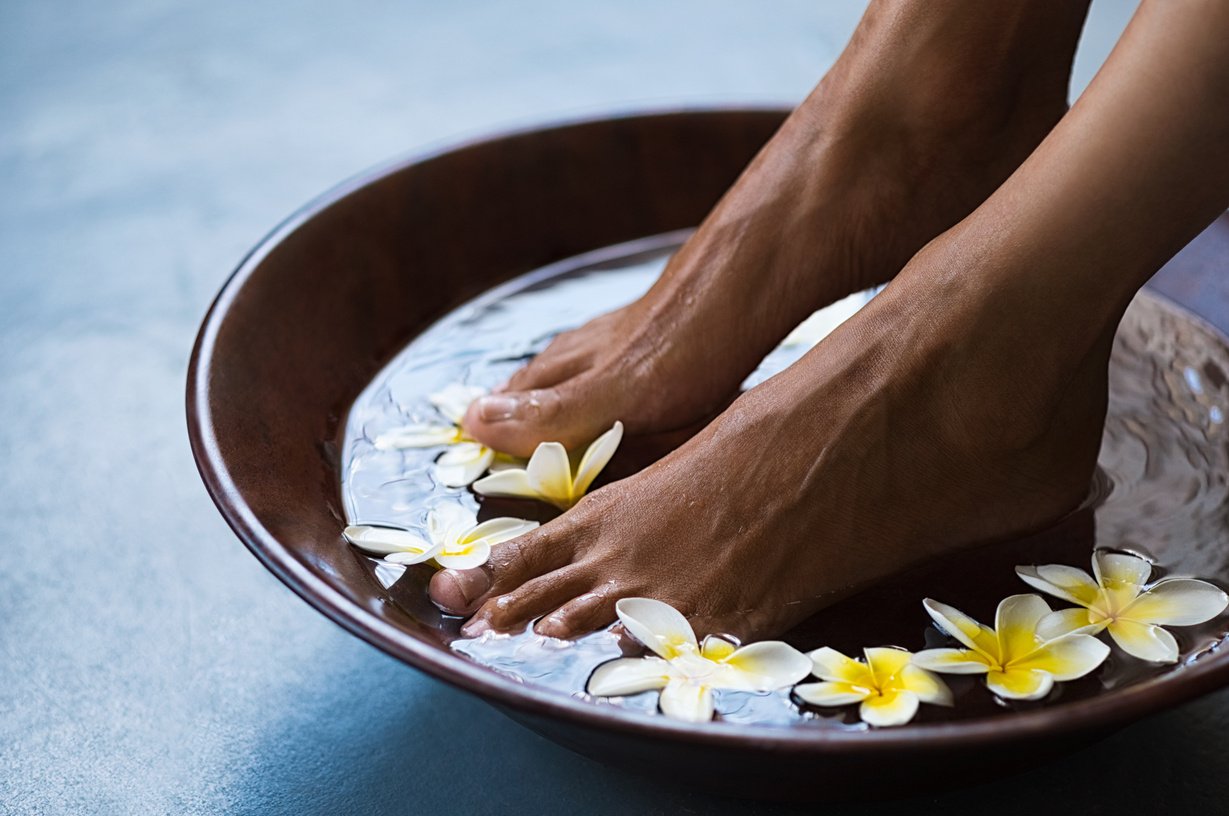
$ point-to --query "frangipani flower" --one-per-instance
(549, 475)
(1115, 599)
(688, 672)
(1017, 662)
(457, 540)
(888, 684)
(466, 459)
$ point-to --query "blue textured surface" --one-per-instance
(148, 664)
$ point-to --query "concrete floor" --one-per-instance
(148, 664)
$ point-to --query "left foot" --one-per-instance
(898, 438)
(928, 110)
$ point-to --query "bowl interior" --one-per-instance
(315, 311)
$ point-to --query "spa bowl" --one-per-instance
(322, 303)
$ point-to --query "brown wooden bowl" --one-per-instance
(316, 309)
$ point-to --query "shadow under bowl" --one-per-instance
(320, 305)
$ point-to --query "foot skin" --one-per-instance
(896, 439)
(866, 171)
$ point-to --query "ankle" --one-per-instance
(996, 321)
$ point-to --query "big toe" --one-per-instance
(512, 563)
(573, 413)
(459, 591)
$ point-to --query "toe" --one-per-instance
(512, 563)
(583, 614)
(514, 609)
(573, 413)
(458, 591)
(545, 370)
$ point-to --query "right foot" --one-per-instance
(887, 152)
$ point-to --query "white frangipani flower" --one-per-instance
(1114, 598)
(687, 672)
(466, 459)
(457, 540)
(549, 476)
(1017, 662)
(887, 683)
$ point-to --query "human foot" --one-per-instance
(895, 145)
(897, 439)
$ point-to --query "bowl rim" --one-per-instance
(1116, 708)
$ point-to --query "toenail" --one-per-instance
(475, 628)
(553, 626)
(469, 584)
(497, 408)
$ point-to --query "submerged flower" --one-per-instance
(457, 540)
(1115, 599)
(466, 459)
(687, 672)
(549, 475)
(1017, 662)
(888, 684)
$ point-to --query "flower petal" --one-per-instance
(691, 702)
(1145, 641)
(829, 693)
(416, 436)
(972, 634)
(464, 555)
(1061, 581)
(385, 540)
(550, 473)
(597, 455)
(1066, 658)
(1065, 622)
(829, 664)
(927, 687)
(885, 663)
(504, 461)
(447, 522)
(765, 666)
(657, 625)
(453, 401)
(628, 675)
(952, 661)
(1178, 602)
(715, 647)
(1015, 623)
(463, 463)
(513, 483)
(498, 530)
(409, 557)
(1020, 684)
(1116, 571)
(888, 709)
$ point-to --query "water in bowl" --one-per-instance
(1160, 493)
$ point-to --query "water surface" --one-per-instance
(1161, 491)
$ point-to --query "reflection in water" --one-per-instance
(1162, 490)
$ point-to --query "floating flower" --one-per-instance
(1115, 599)
(457, 540)
(549, 475)
(687, 672)
(466, 459)
(1017, 662)
(888, 684)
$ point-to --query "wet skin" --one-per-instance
(964, 403)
